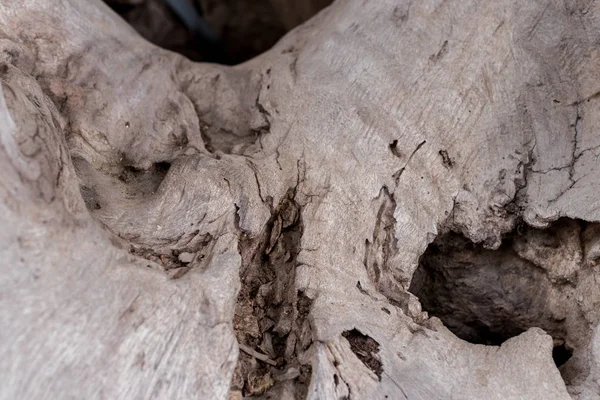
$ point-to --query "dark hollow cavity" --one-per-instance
(221, 31)
(488, 296)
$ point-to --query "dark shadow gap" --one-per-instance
(561, 354)
(366, 349)
(221, 31)
(271, 315)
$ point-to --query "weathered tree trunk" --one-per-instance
(180, 230)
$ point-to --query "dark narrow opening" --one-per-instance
(366, 349)
(162, 167)
(271, 316)
(144, 182)
(221, 31)
(561, 354)
(121, 8)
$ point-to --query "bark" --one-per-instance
(185, 230)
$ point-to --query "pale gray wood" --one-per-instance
(350, 113)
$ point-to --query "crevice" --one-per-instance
(271, 315)
(203, 134)
(434, 58)
(394, 149)
(366, 349)
(380, 249)
(399, 173)
(446, 160)
(594, 96)
(574, 156)
(266, 128)
(383, 244)
(396, 384)
(175, 258)
(514, 207)
(254, 171)
(561, 354)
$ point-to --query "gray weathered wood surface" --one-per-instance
(383, 124)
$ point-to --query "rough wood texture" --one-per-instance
(154, 210)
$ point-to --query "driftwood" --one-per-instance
(386, 154)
